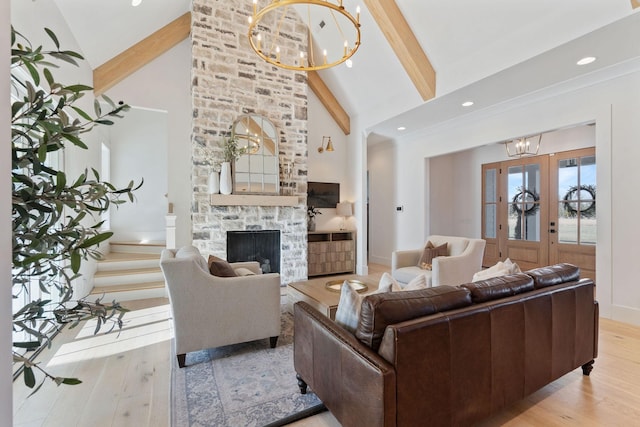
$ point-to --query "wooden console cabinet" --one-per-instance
(331, 252)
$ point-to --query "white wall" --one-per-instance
(455, 180)
(30, 18)
(382, 205)
(6, 400)
(139, 151)
(613, 105)
(165, 84)
(327, 166)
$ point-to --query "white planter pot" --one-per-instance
(214, 182)
(226, 185)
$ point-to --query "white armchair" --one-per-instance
(210, 311)
(464, 260)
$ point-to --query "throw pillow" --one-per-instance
(241, 271)
(429, 253)
(348, 312)
(418, 282)
(219, 267)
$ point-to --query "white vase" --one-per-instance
(214, 182)
(225, 178)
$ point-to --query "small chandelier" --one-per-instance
(280, 50)
(522, 147)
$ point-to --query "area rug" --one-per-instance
(247, 384)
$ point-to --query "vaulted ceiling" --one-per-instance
(465, 41)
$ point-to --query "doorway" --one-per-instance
(541, 210)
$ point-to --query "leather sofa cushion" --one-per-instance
(380, 310)
(554, 275)
(499, 287)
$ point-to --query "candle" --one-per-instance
(346, 45)
(358, 14)
(259, 40)
(255, 3)
(324, 52)
(277, 53)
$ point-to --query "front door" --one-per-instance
(573, 210)
(541, 210)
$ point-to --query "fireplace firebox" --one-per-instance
(262, 246)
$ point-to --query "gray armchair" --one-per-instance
(210, 311)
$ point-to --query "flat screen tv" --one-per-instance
(323, 194)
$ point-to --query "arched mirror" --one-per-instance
(256, 171)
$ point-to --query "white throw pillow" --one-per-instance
(500, 269)
(512, 266)
(348, 312)
(242, 271)
(418, 282)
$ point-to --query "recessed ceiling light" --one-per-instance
(586, 60)
(135, 3)
(401, 128)
(467, 103)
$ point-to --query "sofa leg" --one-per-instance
(182, 359)
(301, 384)
(273, 341)
(587, 368)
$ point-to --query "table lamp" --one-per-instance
(344, 210)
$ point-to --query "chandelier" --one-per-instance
(525, 146)
(337, 32)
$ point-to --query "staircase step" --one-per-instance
(137, 247)
(128, 261)
(117, 277)
(130, 291)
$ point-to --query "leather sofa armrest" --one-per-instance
(408, 258)
(354, 382)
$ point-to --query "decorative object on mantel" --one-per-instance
(522, 147)
(321, 149)
(231, 153)
(311, 214)
(255, 170)
(214, 182)
(344, 209)
(226, 185)
(342, 34)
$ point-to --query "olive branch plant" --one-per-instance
(55, 218)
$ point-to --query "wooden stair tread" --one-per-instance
(127, 287)
(127, 272)
(133, 243)
(128, 256)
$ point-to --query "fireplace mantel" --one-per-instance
(253, 200)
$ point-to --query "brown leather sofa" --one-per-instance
(449, 356)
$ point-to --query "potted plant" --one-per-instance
(55, 217)
(311, 215)
(231, 153)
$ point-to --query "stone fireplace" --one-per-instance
(229, 80)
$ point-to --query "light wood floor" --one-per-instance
(126, 380)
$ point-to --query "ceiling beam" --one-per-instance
(405, 45)
(126, 63)
(329, 101)
(635, 3)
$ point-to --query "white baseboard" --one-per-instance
(624, 314)
(380, 260)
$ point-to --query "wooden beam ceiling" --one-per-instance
(405, 45)
(140, 54)
(635, 3)
(329, 101)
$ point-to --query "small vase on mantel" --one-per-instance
(226, 185)
(311, 224)
(214, 182)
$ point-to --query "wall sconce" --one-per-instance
(344, 209)
(329, 144)
(523, 146)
